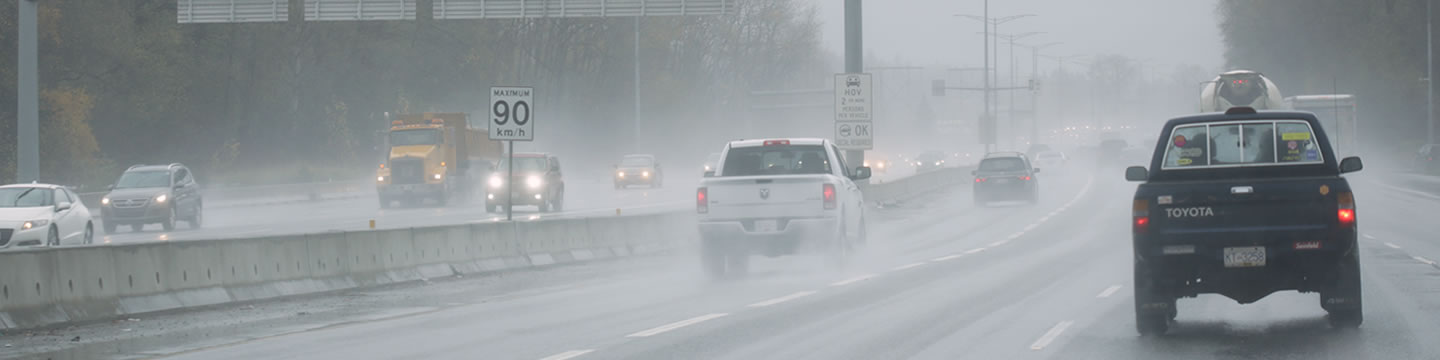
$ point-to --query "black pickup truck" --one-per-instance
(1244, 204)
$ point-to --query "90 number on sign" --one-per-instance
(505, 113)
(512, 113)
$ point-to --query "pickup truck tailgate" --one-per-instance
(1235, 207)
(745, 197)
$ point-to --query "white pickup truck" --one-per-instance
(778, 197)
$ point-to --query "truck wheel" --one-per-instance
(838, 250)
(544, 206)
(712, 259)
(1343, 302)
(110, 227)
(169, 223)
(1153, 309)
(197, 220)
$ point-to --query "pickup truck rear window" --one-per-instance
(776, 160)
(1242, 144)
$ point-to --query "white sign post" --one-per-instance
(511, 120)
(853, 112)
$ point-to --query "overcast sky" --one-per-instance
(923, 32)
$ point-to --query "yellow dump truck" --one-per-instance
(435, 156)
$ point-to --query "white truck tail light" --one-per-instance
(702, 201)
(828, 190)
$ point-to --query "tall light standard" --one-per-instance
(1011, 38)
(988, 22)
(1034, 93)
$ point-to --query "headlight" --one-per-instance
(645, 173)
(495, 181)
(161, 199)
(937, 163)
(534, 182)
(34, 224)
(707, 167)
(105, 200)
(436, 176)
(620, 174)
(380, 178)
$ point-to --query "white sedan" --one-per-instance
(43, 215)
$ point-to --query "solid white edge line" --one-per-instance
(947, 258)
(909, 266)
(1424, 260)
(1050, 336)
(676, 325)
(1108, 291)
(1015, 236)
(998, 243)
(1408, 191)
(1044, 218)
(781, 299)
(1392, 245)
(975, 250)
(852, 280)
(568, 354)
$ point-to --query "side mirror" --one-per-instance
(1036, 170)
(710, 173)
(1351, 164)
(1136, 173)
(178, 186)
(62, 206)
(861, 173)
(110, 187)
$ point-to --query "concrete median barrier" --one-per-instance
(906, 188)
(53, 286)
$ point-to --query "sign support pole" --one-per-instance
(27, 130)
(510, 183)
(854, 59)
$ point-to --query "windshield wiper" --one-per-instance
(22, 196)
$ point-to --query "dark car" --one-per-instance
(639, 170)
(1244, 204)
(1427, 159)
(153, 194)
(1112, 152)
(1006, 176)
(929, 161)
(539, 183)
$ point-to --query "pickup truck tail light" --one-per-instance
(702, 201)
(1346, 209)
(828, 190)
(1141, 213)
(979, 180)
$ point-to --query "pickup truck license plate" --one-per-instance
(1252, 256)
(765, 225)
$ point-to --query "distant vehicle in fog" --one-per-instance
(1427, 159)
(639, 169)
(1006, 176)
(929, 161)
(151, 194)
(43, 215)
(711, 162)
(1050, 159)
(1240, 88)
(435, 156)
(1112, 152)
(537, 181)
(779, 197)
(1337, 114)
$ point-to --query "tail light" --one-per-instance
(776, 142)
(829, 192)
(1141, 213)
(702, 201)
(979, 180)
(1346, 209)
(1025, 178)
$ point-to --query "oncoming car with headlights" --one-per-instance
(43, 215)
(539, 180)
(151, 194)
(639, 170)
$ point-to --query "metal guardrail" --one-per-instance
(267, 194)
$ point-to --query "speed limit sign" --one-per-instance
(512, 113)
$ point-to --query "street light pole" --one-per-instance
(27, 129)
(1034, 93)
(1430, 71)
(989, 75)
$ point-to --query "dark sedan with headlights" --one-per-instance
(538, 183)
(639, 170)
(149, 194)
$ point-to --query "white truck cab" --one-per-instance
(778, 197)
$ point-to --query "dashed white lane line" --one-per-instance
(676, 325)
(975, 250)
(998, 243)
(568, 355)
(1045, 218)
(1392, 245)
(1031, 227)
(1015, 236)
(782, 299)
(853, 280)
(1050, 336)
(1108, 291)
(1424, 260)
(1368, 236)
(909, 266)
(947, 258)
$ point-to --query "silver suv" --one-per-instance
(152, 194)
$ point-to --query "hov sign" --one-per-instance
(853, 109)
(511, 113)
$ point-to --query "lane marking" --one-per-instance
(947, 258)
(676, 325)
(903, 267)
(1371, 237)
(1050, 336)
(1408, 191)
(975, 250)
(568, 355)
(998, 243)
(1031, 227)
(1108, 291)
(1424, 260)
(1045, 218)
(1015, 236)
(1392, 246)
(853, 280)
(781, 299)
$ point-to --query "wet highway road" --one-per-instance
(940, 280)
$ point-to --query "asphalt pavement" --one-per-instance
(940, 279)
